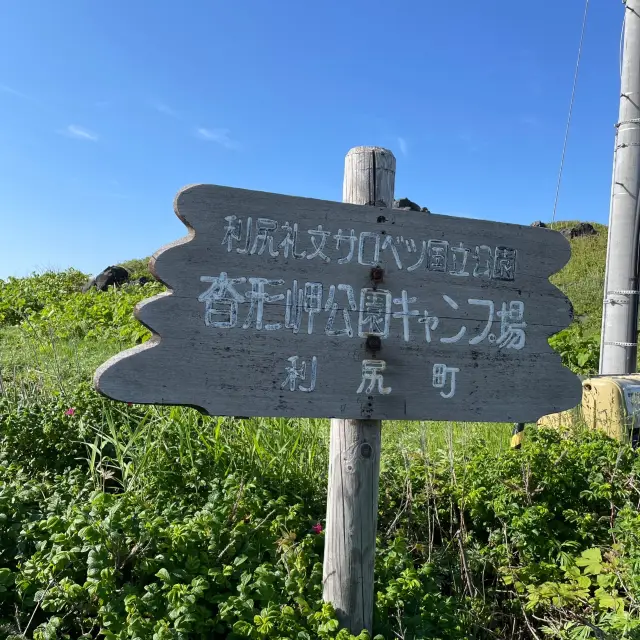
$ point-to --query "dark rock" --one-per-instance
(110, 277)
(539, 223)
(583, 229)
(580, 230)
(406, 204)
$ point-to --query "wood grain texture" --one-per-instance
(369, 176)
(352, 520)
(241, 371)
(354, 449)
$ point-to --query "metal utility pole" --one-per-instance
(619, 344)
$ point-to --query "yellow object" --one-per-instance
(517, 436)
(609, 403)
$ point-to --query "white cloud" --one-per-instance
(220, 136)
(402, 143)
(165, 109)
(14, 92)
(80, 133)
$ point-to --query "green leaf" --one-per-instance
(607, 601)
(584, 582)
(591, 561)
(164, 575)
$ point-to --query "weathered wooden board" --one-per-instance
(287, 306)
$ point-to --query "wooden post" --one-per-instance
(354, 463)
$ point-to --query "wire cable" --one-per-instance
(573, 96)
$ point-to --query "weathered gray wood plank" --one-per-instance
(499, 389)
(215, 349)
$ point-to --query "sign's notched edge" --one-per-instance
(191, 234)
(119, 357)
(156, 338)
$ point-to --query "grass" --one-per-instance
(433, 476)
(582, 279)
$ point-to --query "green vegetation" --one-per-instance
(583, 281)
(583, 277)
(130, 522)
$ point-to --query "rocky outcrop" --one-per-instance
(409, 205)
(579, 230)
(110, 277)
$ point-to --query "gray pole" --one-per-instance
(620, 309)
(354, 456)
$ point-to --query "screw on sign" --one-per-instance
(307, 306)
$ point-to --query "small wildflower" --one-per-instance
(317, 528)
(70, 412)
(129, 404)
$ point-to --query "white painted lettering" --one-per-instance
(221, 299)
(440, 375)
(297, 372)
(258, 298)
(483, 265)
(318, 240)
(512, 326)
(264, 236)
(351, 239)
(504, 264)
(423, 255)
(389, 244)
(332, 307)
(364, 236)
(430, 324)
(290, 241)
(312, 302)
(491, 308)
(459, 257)
(247, 241)
(375, 310)
(405, 314)
(372, 373)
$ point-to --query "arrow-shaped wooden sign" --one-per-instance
(288, 306)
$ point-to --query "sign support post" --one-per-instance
(284, 306)
(354, 457)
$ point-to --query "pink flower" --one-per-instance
(317, 528)
(70, 412)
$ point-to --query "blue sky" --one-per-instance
(108, 108)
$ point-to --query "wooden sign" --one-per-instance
(288, 306)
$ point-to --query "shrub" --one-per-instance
(22, 297)
(95, 315)
(579, 353)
